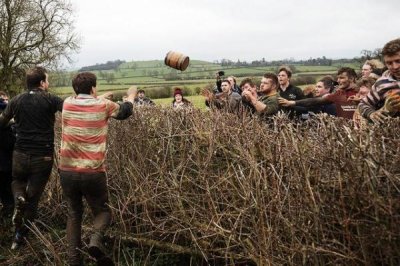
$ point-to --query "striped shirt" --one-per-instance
(377, 96)
(84, 133)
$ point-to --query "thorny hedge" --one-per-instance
(237, 189)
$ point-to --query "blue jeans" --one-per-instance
(30, 175)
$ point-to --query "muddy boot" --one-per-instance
(19, 240)
(17, 218)
(97, 250)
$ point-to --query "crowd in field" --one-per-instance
(370, 98)
(27, 132)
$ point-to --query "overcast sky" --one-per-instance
(232, 29)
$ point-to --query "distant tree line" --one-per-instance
(107, 66)
(320, 61)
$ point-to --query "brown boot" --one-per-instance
(97, 250)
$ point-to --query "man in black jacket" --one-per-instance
(34, 114)
(289, 92)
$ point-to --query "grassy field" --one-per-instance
(155, 75)
(196, 100)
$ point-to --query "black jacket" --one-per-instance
(34, 115)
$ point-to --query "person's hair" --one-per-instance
(391, 48)
(247, 81)
(351, 73)
(272, 77)
(84, 82)
(234, 79)
(3, 93)
(225, 80)
(309, 91)
(285, 69)
(367, 82)
(34, 76)
(141, 91)
(329, 83)
(374, 64)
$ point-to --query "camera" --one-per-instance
(221, 73)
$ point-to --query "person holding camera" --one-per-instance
(219, 76)
(232, 80)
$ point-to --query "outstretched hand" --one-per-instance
(207, 94)
(107, 95)
(392, 102)
(354, 98)
(131, 94)
(284, 102)
(378, 117)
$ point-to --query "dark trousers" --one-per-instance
(6, 196)
(93, 187)
(30, 175)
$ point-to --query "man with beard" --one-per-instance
(265, 102)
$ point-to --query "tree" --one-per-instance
(34, 32)
(110, 77)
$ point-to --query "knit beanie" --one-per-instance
(178, 91)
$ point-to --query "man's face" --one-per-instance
(266, 85)
(393, 64)
(283, 78)
(140, 95)
(344, 80)
(226, 87)
(247, 87)
(4, 97)
(363, 91)
(231, 81)
(44, 84)
(366, 70)
(320, 89)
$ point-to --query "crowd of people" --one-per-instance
(370, 98)
(27, 132)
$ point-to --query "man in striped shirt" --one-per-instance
(83, 146)
(384, 98)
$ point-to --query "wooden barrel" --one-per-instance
(176, 60)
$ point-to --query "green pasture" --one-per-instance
(156, 70)
(152, 76)
(196, 100)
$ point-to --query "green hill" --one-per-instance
(154, 75)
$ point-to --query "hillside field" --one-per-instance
(155, 75)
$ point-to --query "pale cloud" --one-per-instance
(234, 29)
